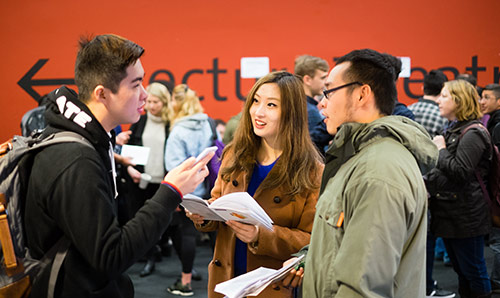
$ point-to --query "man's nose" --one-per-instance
(323, 102)
(144, 94)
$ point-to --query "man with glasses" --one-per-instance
(490, 104)
(369, 231)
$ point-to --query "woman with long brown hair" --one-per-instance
(273, 159)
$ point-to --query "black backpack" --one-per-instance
(18, 267)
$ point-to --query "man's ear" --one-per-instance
(306, 80)
(364, 93)
(100, 93)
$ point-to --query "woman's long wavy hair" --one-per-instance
(298, 164)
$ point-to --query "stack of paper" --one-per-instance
(254, 282)
(238, 206)
(138, 154)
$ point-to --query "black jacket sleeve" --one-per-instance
(83, 207)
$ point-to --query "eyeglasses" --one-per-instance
(326, 92)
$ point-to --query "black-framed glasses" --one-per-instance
(326, 92)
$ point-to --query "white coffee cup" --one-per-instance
(145, 179)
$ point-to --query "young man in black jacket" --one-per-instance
(490, 104)
(71, 191)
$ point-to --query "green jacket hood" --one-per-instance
(355, 136)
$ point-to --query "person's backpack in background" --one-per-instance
(214, 164)
(33, 121)
(18, 267)
(492, 191)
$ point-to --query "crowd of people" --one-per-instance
(355, 181)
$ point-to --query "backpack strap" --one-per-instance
(59, 250)
(58, 253)
(476, 171)
(63, 137)
(213, 127)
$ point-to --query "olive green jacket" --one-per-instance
(369, 230)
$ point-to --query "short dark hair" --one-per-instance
(220, 122)
(467, 77)
(495, 88)
(376, 70)
(396, 63)
(103, 61)
(434, 82)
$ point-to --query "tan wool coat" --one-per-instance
(293, 220)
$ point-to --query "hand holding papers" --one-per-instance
(254, 282)
(238, 206)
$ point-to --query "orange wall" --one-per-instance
(180, 36)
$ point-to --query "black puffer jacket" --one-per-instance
(458, 208)
(494, 127)
(71, 193)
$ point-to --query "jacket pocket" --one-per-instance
(329, 210)
(448, 205)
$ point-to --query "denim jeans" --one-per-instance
(467, 257)
(441, 250)
(495, 247)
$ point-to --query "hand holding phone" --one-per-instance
(205, 152)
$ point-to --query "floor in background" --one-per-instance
(167, 272)
(169, 269)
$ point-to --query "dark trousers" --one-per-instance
(495, 247)
(183, 235)
(467, 257)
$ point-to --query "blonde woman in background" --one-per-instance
(190, 133)
(459, 212)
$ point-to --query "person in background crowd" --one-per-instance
(426, 112)
(273, 159)
(220, 127)
(313, 71)
(400, 109)
(190, 134)
(150, 131)
(231, 127)
(490, 105)
(473, 80)
(459, 212)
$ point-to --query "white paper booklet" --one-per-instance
(254, 282)
(138, 154)
(238, 206)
